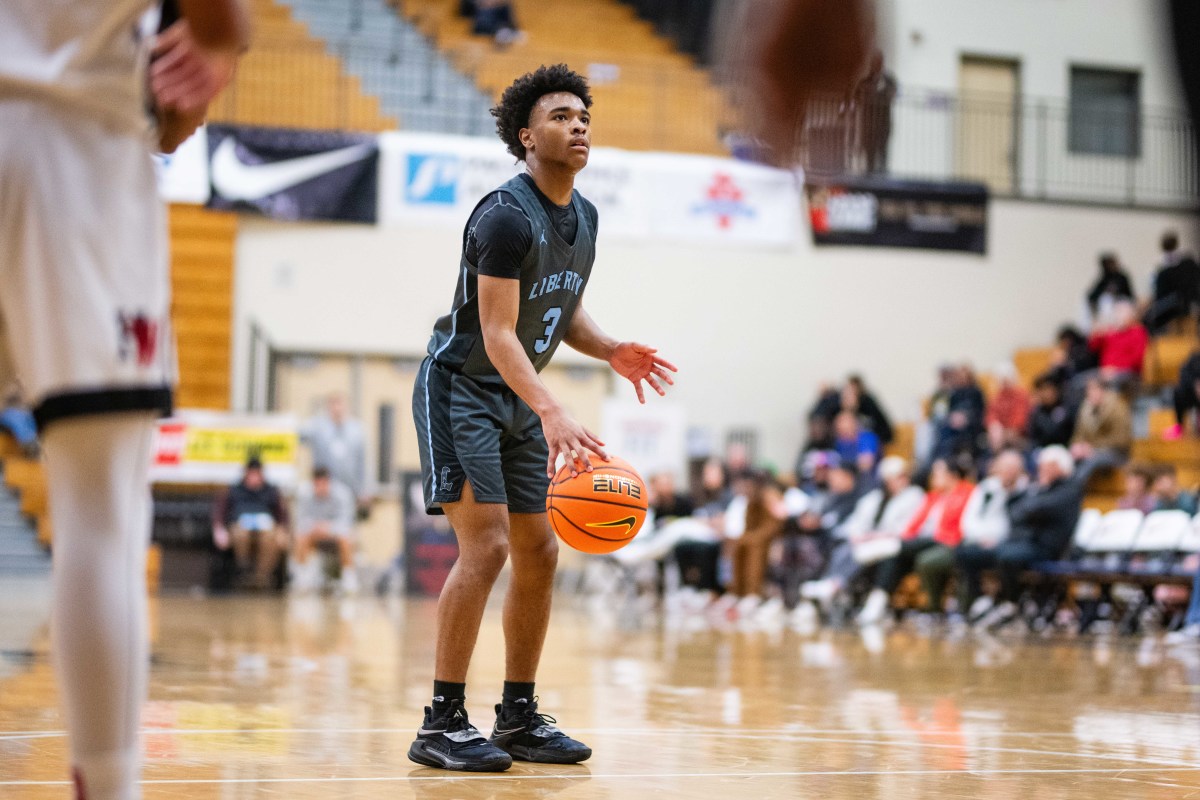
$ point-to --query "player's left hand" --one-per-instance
(638, 363)
(184, 75)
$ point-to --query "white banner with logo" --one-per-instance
(651, 437)
(438, 179)
(702, 200)
(183, 175)
(639, 196)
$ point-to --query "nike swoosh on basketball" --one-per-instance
(239, 181)
(626, 523)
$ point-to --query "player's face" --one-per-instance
(560, 130)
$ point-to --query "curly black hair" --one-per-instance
(515, 106)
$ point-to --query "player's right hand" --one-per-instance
(572, 441)
(185, 76)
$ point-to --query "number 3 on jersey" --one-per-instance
(551, 319)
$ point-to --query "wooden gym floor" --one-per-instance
(270, 697)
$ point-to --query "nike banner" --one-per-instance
(884, 212)
(294, 174)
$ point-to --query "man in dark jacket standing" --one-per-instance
(1043, 521)
(1176, 286)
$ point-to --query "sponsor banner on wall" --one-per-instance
(881, 212)
(293, 174)
(183, 175)
(208, 447)
(703, 200)
(440, 179)
(653, 438)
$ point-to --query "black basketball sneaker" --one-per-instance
(450, 741)
(527, 735)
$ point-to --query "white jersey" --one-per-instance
(84, 56)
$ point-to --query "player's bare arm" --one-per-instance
(633, 361)
(499, 307)
(197, 61)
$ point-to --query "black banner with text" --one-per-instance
(881, 212)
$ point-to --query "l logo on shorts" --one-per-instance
(447, 484)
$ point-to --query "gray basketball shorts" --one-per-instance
(478, 432)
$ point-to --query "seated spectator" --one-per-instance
(1072, 354)
(1007, 417)
(1137, 490)
(985, 525)
(251, 518)
(1176, 286)
(1111, 285)
(1103, 431)
(961, 430)
(870, 534)
(937, 522)
(1121, 347)
(861, 400)
(324, 515)
(748, 551)
(1043, 519)
(1186, 396)
(18, 421)
(804, 554)
(495, 18)
(1166, 493)
(855, 398)
(855, 445)
(665, 501)
(1052, 421)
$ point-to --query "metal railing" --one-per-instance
(1038, 149)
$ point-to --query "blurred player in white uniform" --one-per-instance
(84, 303)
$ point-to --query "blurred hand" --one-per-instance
(184, 75)
(221, 537)
(638, 363)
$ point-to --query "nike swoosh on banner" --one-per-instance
(626, 523)
(235, 180)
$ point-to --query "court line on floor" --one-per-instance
(806, 737)
(441, 776)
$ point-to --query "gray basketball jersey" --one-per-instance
(554, 274)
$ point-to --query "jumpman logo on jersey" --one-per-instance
(543, 239)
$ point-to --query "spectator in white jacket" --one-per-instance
(871, 533)
(986, 523)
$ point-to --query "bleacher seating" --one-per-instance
(202, 254)
(289, 80)
(394, 62)
(648, 95)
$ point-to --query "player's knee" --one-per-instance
(489, 554)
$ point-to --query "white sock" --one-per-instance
(97, 471)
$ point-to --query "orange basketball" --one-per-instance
(598, 511)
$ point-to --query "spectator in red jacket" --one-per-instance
(938, 522)
(1008, 411)
(1121, 348)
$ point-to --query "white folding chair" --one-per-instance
(1085, 529)
(1117, 532)
(1162, 531)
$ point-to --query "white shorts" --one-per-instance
(84, 282)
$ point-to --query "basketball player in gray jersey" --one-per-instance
(489, 430)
